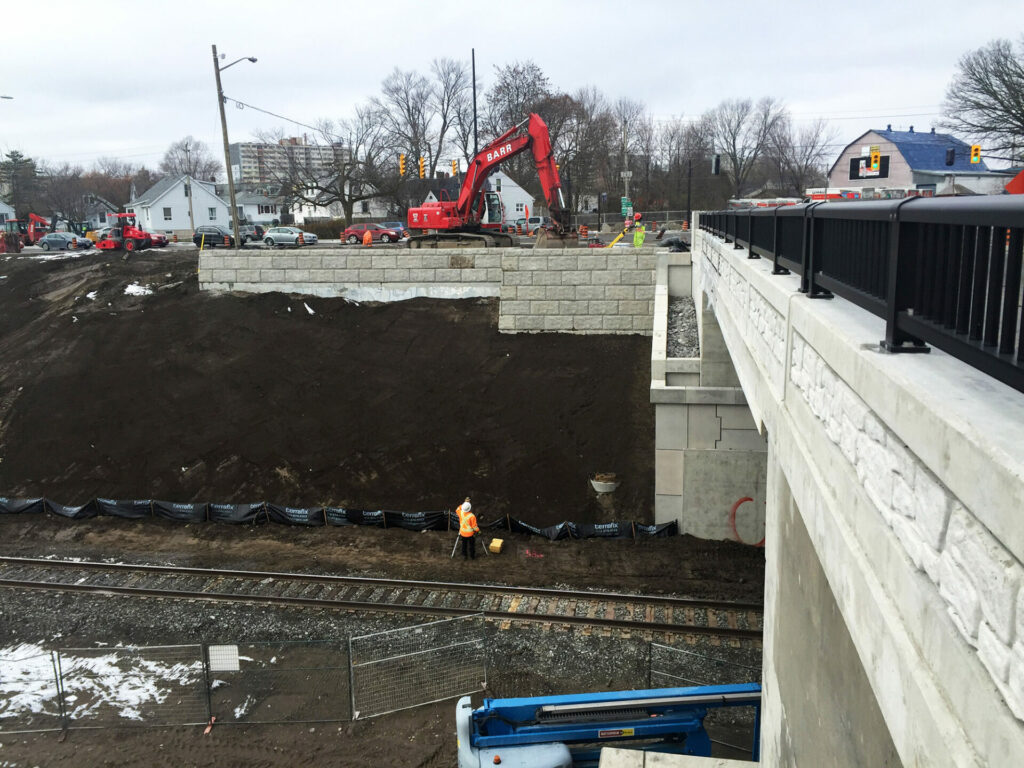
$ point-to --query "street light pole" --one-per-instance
(224, 130)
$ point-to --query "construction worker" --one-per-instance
(639, 230)
(468, 529)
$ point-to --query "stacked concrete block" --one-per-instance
(565, 290)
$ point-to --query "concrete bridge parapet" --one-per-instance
(894, 602)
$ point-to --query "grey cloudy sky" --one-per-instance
(125, 79)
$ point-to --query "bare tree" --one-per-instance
(585, 143)
(741, 131)
(405, 112)
(452, 83)
(112, 179)
(799, 158)
(189, 157)
(63, 191)
(985, 100)
(518, 89)
(357, 170)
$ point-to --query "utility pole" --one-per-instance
(476, 149)
(689, 179)
(227, 153)
(188, 184)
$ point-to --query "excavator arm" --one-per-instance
(508, 145)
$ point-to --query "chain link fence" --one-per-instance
(671, 667)
(279, 682)
(29, 691)
(404, 668)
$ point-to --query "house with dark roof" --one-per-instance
(164, 207)
(913, 161)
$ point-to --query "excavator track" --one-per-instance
(464, 240)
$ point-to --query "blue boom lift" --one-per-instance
(538, 731)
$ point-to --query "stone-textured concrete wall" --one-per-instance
(908, 477)
(710, 460)
(573, 290)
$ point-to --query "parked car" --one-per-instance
(157, 240)
(510, 228)
(250, 233)
(288, 236)
(537, 222)
(398, 226)
(63, 241)
(97, 234)
(212, 235)
(354, 233)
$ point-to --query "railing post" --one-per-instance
(776, 269)
(806, 239)
(813, 291)
(897, 290)
(750, 236)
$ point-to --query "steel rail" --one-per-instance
(359, 605)
(681, 602)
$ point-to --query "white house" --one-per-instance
(6, 212)
(514, 199)
(164, 207)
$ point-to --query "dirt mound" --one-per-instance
(188, 396)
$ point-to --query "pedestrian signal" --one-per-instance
(401, 165)
(422, 168)
(975, 153)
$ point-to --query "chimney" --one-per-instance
(933, 130)
(911, 129)
(888, 127)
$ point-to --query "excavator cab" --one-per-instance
(492, 205)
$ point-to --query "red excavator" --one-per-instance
(449, 223)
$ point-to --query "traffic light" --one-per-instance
(455, 167)
(401, 165)
(876, 160)
(950, 156)
(716, 165)
(975, 153)
(422, 168)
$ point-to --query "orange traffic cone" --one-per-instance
(367, 238)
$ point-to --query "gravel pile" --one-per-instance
(682, 328)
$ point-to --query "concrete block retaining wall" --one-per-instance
(572, 290)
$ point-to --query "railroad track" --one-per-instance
(606, 611)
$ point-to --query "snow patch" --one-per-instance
(91, 295)
(308, 308)
(138, 290)
(94, 682)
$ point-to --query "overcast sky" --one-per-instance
(106, 77)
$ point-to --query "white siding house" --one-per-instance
(6, 212)
(514, 199)
(164, 206)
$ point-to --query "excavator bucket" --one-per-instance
(547, 238)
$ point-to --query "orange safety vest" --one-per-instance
(467, 524)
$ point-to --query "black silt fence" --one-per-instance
(265, 512)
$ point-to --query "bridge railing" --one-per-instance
(939, 271)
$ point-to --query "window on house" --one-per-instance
(186, 186)
(364, 206)
(520, 207)
(241, 216)
(167, 214)
(268, 209)
(213, 214)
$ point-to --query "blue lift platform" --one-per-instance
(569, 731)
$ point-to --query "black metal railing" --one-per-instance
(939, 271)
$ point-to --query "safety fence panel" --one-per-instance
(679, 668)
(404, 668)
(29, 690)
(279, 682)
(150, 686)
